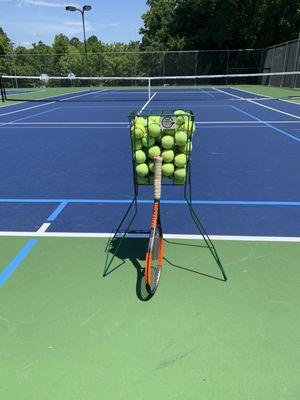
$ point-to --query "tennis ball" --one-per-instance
(168, 156)
(154, 151)
(178, 181)
(180, 138)
(151, 166)
(176, 112)
(140, 157)
(180, 120)
(154, 130)
(180, 173)
(139, 131)
(137, 144)
(154, 119)
(141, 121)
(142, 180)
(189, 127)
(170, 132)
(168, 170)
(142, 170)
(180, 160)
(151, 178)
(181, 116)
(167, 142)
(185, 148)
(148, 141)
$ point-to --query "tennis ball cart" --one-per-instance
(161, 146)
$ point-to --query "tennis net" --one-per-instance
(141, 89)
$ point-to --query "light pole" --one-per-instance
(84, 8)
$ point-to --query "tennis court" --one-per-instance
(66, 181)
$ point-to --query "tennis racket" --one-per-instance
(154, 255)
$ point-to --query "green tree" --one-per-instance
(159, 31)
(218, 24)
(6, 48)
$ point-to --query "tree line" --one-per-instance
(168, 26)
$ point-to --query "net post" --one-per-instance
(2, 89)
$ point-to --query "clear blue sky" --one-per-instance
(28, 21)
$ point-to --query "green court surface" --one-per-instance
(272, 91)
(68, 333)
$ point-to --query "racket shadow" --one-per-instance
(133, 250)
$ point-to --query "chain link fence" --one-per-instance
(127, 64)
(279, 58)
(283, 57)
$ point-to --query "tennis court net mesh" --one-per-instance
(141, 89)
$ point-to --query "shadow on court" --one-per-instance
(133, 250)
(188, 248)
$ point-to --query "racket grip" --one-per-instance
(157, 177)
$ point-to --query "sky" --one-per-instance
(28, 21)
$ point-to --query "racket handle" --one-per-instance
(157, 177)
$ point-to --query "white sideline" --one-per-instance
(145, 105)
(138, 235)
(266, 97)
(259, 104)
(45, 104)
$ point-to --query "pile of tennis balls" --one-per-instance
(174, 145)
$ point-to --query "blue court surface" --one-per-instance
(66, 166)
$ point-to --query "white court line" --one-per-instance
(43, 105)
(145, 105)
(267, 97)
(166, 236)
(27, 108)
(44, 227)
(259, 104)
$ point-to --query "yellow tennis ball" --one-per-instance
(186, 148)
(179, 181)
(154, 151)
(140, 157)
(154, 130)
(180, 173)
(153, 119)
(151, 166)
(189, 127)
(148, 141)
(180, 138)
(167, 142)
(142, 170)
(180, 160)
(168, 170)
(142, 180)
(178, 112)
(168, 156)
(141, 121)
(151, 178)
(137, 144)
(139, 131)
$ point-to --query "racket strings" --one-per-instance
(155, 267)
